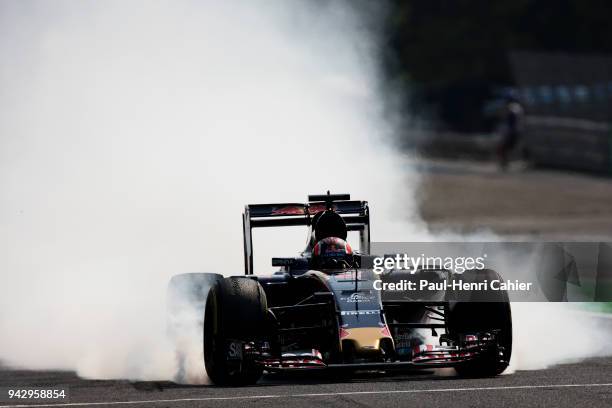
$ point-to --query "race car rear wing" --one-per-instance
(354, 213)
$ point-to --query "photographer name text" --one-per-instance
(457, 285)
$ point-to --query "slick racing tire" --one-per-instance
(235, 316)
(185, 303)
(469, 313)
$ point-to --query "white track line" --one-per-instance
(323, 394)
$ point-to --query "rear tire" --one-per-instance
(471, 314)
(236, 313)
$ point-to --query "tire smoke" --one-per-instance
(554, 333)
(133, 133)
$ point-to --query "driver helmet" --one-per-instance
(331, 250)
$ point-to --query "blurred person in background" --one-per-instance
(511, 123)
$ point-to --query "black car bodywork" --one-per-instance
(312, 316)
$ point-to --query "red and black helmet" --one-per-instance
(332, 247)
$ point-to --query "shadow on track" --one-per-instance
(319, 378)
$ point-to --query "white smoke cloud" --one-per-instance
(132, 135)
(546, 334)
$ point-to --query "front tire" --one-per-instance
(472, 314)
(236, 310)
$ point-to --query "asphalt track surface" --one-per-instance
(544, 204)
(584, 384)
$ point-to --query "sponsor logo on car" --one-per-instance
(359, 312)
(234, 351)
(358, 298)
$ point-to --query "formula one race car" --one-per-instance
(320, 310)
